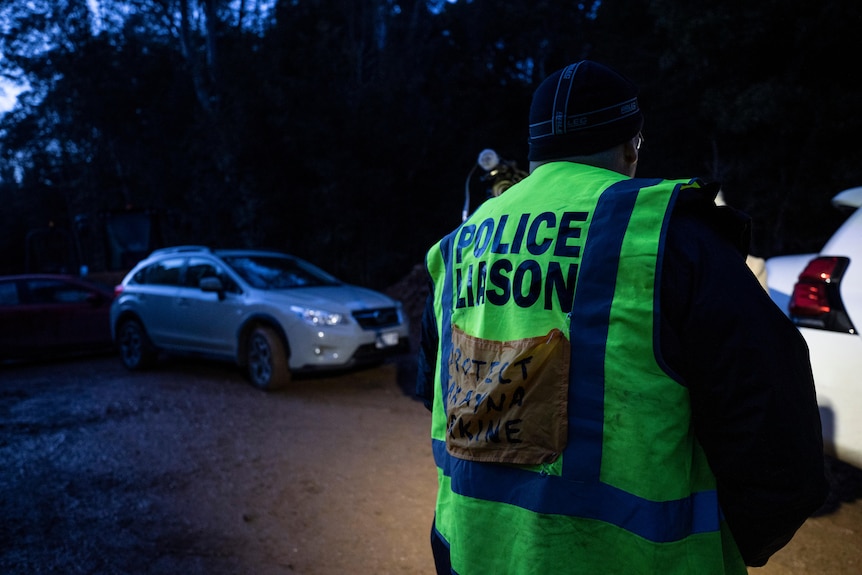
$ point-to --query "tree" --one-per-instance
(343, 130)
(740, 92)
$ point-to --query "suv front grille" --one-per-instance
(377, 318)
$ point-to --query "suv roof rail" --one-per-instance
(178, 249)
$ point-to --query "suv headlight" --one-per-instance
(317, 316)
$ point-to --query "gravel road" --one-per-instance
(189, 470)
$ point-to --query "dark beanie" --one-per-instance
(582, 109)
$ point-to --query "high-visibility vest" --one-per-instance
(599, 473)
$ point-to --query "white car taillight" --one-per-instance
(816, 300)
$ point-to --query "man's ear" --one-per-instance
(630, 152)
(630, 156)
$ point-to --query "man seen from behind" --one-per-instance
(612, 391)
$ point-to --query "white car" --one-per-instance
(822, 294)
(270, 312)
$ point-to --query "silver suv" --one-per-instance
(267, 311)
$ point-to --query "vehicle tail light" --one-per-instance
(816, 300)
(118, 289)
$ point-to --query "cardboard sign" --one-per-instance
(507, 400)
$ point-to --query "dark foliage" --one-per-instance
(343, 131)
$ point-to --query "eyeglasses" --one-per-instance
(640, 141)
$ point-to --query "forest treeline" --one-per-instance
(344, 130)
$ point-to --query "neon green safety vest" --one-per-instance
(562, 443)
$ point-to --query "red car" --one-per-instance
(46, 315)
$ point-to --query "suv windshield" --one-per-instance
(270, 272)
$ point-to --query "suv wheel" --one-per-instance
(136, 350)
(267, 359)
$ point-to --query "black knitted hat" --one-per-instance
(582, 109)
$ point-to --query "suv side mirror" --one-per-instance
(212, 284)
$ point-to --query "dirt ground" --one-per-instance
(189, 470)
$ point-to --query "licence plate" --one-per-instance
(387, 339)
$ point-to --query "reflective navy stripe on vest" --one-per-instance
(578, 492)
(543, 493)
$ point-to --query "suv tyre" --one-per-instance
(136, 350)
(266, 359)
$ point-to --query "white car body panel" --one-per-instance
(836, 360)
(836, 357)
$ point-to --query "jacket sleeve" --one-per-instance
(746, 366)
(427, 359)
